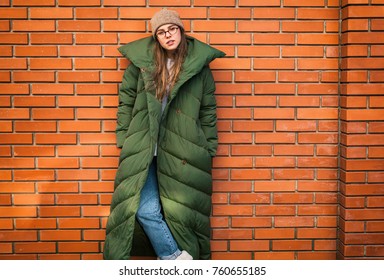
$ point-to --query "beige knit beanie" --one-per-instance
(165, 16)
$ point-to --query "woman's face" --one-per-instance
(169, 37)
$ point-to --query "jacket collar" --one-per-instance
(140, 53)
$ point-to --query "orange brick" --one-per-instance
(35, 76)
(302, 51)
(14, 39)
(20, 211)
(18, 187)
(32, 26)
(121, 3)
(38, 175)
(90, 63)
(33, 3)
(34, 151)
(95, 38)
(254, 245)
(65, 175)
(273, 13)
(258, 26)
(52, 89)
(34, 101)
(51, 38)
(79, 101)
(33, 199)
(56, 13)
(119, 25)
(20, 138)
(77, 25)
(214, 25)
(52, 138)
(80, 51)
(297, 26)
(46, 63)
(273, 113)
(251, 174)
(232, 233)
(27, 126)
(13, 13)
(81, 77)
(52, 114)
(13, 63)
(53, 187)
(78, 150)
(258, 51)
(318, 13)
(96, 13)
(35, 247)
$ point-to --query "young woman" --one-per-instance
(166, 127)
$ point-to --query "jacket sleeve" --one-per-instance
(208, 117)
(127, 96)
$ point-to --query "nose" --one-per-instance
(167, 34)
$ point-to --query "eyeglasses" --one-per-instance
(172, 31)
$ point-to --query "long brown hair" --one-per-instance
(162, 77)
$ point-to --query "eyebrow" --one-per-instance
(173, 25)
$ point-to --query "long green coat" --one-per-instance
(186, 138)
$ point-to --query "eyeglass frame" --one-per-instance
(173, 27)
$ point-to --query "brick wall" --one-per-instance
(286, 160)
(361, 217)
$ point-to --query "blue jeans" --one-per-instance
(150, 218)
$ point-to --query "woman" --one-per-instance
(166, 127)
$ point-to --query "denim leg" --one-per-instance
(150, 218)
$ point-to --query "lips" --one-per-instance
(170, 42)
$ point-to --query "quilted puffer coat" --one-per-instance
(186, 138)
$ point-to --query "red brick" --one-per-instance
(36, 247)
(257, 222)
(254, 245)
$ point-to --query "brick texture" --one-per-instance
(300, 167)
(361, 193)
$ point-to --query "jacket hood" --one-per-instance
(140, 53)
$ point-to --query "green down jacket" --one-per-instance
(186, 137)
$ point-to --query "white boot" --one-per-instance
(184, 256)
